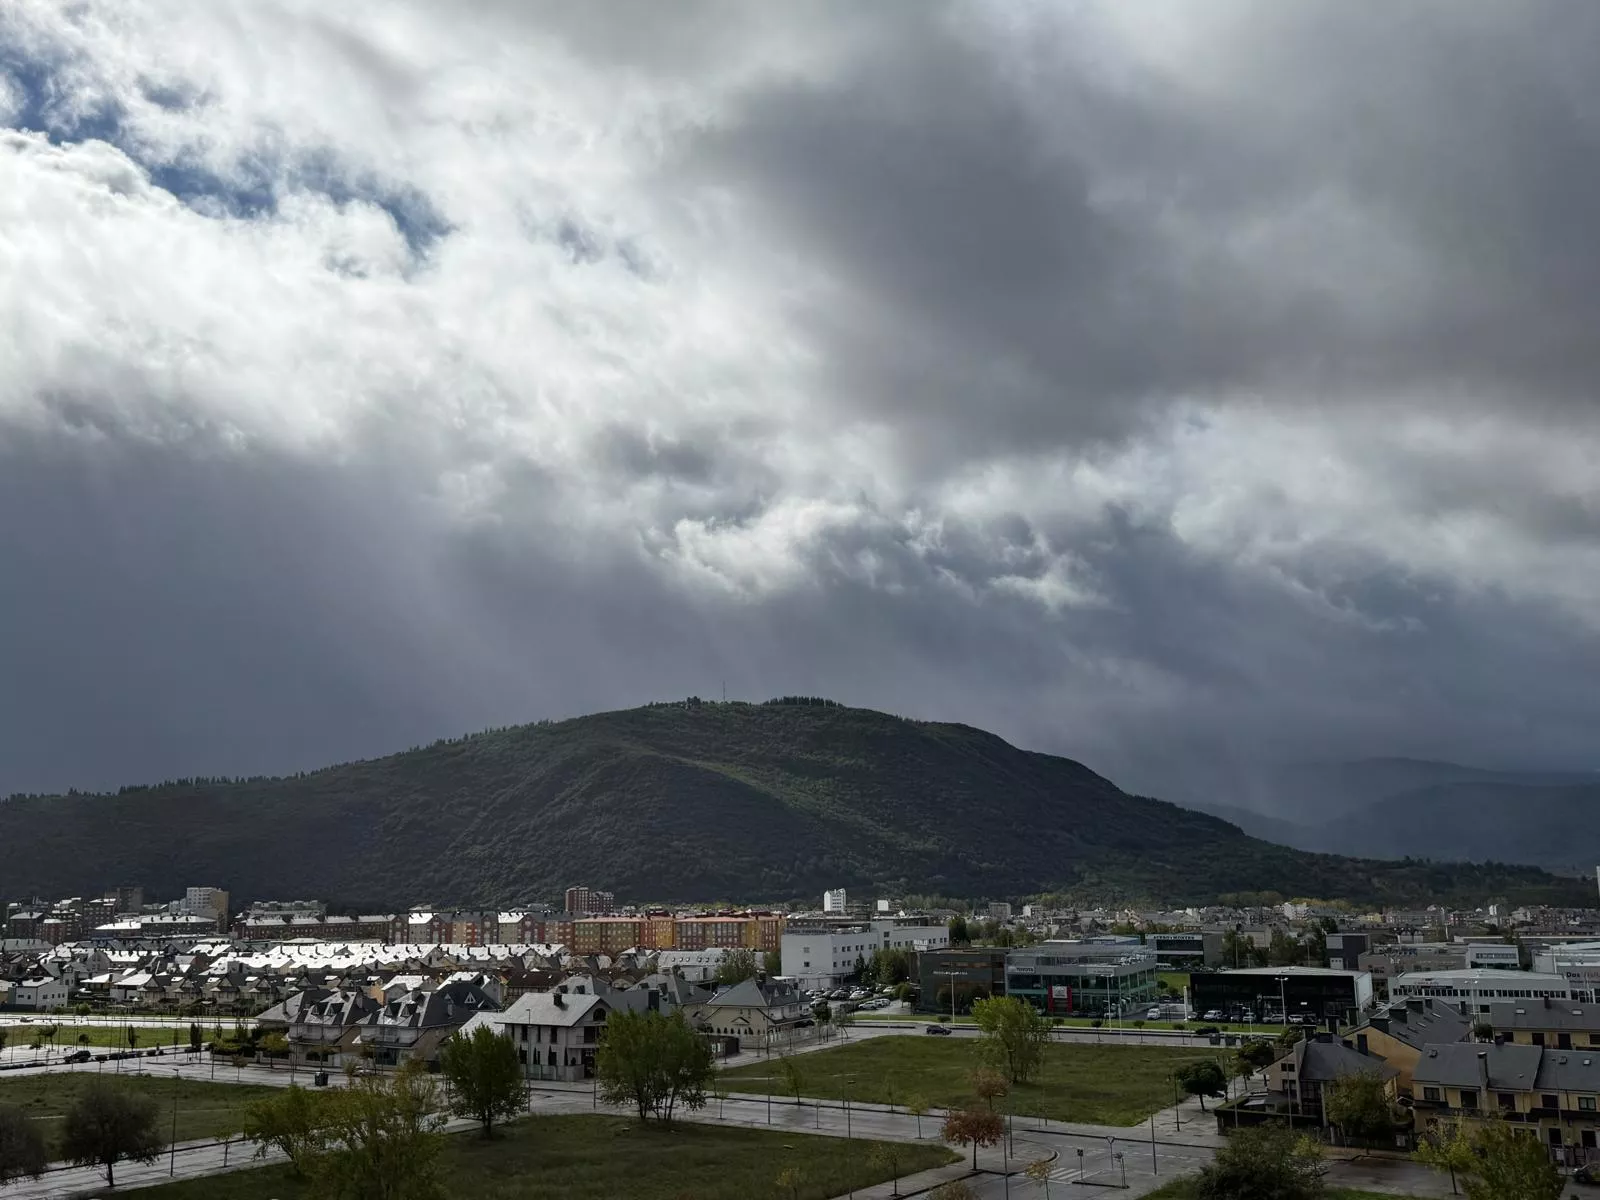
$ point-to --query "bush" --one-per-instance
(944, 1020)
(1179, 1025)
(1096, 1023)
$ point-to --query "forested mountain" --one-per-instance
(691, 801)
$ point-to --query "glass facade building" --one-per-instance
(1083, 978)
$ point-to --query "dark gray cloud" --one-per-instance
(1158, 390)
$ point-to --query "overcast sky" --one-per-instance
(1142, 381)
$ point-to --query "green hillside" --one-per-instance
(691, 802)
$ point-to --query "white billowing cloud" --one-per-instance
(481, 260)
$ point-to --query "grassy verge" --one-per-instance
(1105, 1085)
(88, 1037)
(600, 1158)
(203, 1109)
(1183, 1189)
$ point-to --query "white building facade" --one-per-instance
(826, 957)
(833, 901)
(1473, 991)
(39, 995)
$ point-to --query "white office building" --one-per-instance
(1497, 955)
(1474, 990)
(1576, 962)
(833, 901)
(825, 956)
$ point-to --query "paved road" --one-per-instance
(1178, 1148)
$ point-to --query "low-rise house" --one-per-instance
(1561, 1024)
(321, 1024)
(556, 1033)
(40, 994)
(1399, 1033)
(413, 1025)
(757, 1013)
(1553, 1094)
(1297, 1082)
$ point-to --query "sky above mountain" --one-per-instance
(1147, 382)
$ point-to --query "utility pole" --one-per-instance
(1154, 1170)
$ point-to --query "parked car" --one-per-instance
(1214, 1014)
(939, 1030)
(1153, 1015)
(78, 1056)
(1588, 1173)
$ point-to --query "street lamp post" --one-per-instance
(172, 1158)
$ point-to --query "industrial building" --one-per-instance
(1314, 995)
(1083, 978)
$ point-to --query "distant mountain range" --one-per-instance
(1397, 807)
(694, 802)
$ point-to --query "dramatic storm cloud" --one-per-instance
(1149, 382)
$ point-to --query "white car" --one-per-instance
(1214, 1014)
(1153, 1015)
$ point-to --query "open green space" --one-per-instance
(1175, 980)
(601, 1158)
(203, 1109)
(1183, 1189)
(89, 1037)
(1100, 1084)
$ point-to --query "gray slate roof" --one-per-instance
(1419, 1024)
(1462, 1064)
(1566, 1016)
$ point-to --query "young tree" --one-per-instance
(195, 1038)
(655, 1063)
(1494, 1162)
(1447, 1149)
(1256, 1055)
(790, 1180)
(956, 1189)
(917, 1106)
(1359, 1105)
(133, 1036)
(1202, 1079)
(1038, 1172)
(1264, 1163)
(106, 1125)
(772, 963)
(959, 934)
(736, 966)
(22, 1151)
(384, 1138)
(888, 1156)
(1013, 1035)
(842, 1021)
(485, 1076)
(5, 1036)
(988, 1085)
(294, 1121)
(794, 1078)
(975, 1125)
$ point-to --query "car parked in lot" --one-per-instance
(78, 1056)
(939, 1030)
(1214, 1014)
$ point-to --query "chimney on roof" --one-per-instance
(1483, 1068)
(1428, 1002)
(1547, 1001)
(558, 997)
(1414, 1004)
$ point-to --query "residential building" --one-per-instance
(1297, 1082)
(1093, 977)
(321, 1024)
(556, 1033)
(1552, 1093)
(1558, 1024)
(950, 980)
(824, 954)
(412, 1025)
(1473, 991)
(1187, 949)
(763, 1014)
(1399, 1033)
(1313, 994)
(999, 910)
(41, 994)
(833, 901)
(210, 902)
(583, 900)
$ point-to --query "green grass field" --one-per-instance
(90, 1037)
(601, 1158)
(203, 1109)
(1108, 1085)
(1183, 1189)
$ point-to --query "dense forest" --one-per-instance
(693, 800)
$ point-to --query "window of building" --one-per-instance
(1585, 1103)
(1469, 1098)
(1550, 1100)
(1538, 1039)
(1428, 1093)
(1506, 1099)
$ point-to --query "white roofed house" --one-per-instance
(556, 1033)
(321, 1024)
